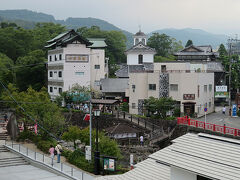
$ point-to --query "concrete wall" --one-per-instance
(179, 174)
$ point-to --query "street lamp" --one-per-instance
(97, 153)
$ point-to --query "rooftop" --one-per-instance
(209, 156)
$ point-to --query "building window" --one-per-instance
(133, 105)
(152, 86)
(60, 90)
(143, 41)
(55, 87)
(97, 66)
(205, 88)
(50, 58)
(50, 74)
(133, 87)
(97, 83)
(163, 68)
(136, 41)
(140, 59)
(50, 89)
(210, 87)
(79, 73)
(59, 73)
(55, 57)
(173, 87)
(60, 56)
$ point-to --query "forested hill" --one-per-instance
(27, 20)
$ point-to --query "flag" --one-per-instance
(35, 128)
(86, 117)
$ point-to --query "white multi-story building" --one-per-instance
(193, 89)
(73, 59)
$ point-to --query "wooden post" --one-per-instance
(131, 118)
(123, 115)
(138, 121)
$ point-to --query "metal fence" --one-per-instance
(208, 126)
(48, 161)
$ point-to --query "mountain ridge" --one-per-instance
(28, 19)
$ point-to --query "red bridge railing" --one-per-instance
(208, 126)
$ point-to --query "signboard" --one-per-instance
(76, 58)
(109, 164)
(221, 88)
(221, 94)
(188, 96)
(88, 153)
(205, 109)
(234, 110)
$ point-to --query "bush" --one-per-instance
(78, 159)
(26, 135)
(238, 113)
(45, 145)
(170, 118)
(66, 153)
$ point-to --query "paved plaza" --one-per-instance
(220, 119)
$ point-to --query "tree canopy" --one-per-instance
(189, 43)
(164, 44)
(38, 105)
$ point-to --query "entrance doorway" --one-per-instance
(189, 108)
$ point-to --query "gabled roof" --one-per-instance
(140, 47)
(209, 156)
(196, 50)
(65, 38)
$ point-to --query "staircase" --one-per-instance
(6, 160)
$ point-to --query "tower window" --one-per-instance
(143, 41)
(136, 41)
(140, 59)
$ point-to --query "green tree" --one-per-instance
(31, 65)
(72, 134)
(189, 43)
(37, 105)
(164, 45)
(159, 106)
(116, 44)
(6, 69)
(222, 51)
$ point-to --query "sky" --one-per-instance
(215, 16)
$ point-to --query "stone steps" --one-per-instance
(11, 161)
(3, 136)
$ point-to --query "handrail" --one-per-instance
(208, 126)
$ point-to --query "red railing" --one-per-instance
(208, 126)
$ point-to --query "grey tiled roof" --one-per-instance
(140, 47)
(122, 72)
(114, 85)
(200, 51)
(140, 33)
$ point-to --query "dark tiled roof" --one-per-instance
(104, 101)
(140, 33)
(65, 38)
(140, 47)
(121, 128)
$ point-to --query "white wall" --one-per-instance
(132, 59)
(179, 174)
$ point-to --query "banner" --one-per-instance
(221, 94)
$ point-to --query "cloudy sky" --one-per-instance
(216, 16)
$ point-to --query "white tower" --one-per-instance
(140, 37)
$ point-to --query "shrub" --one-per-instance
(78, 159)
(45, 145)
(26, 135)
(238, 113)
